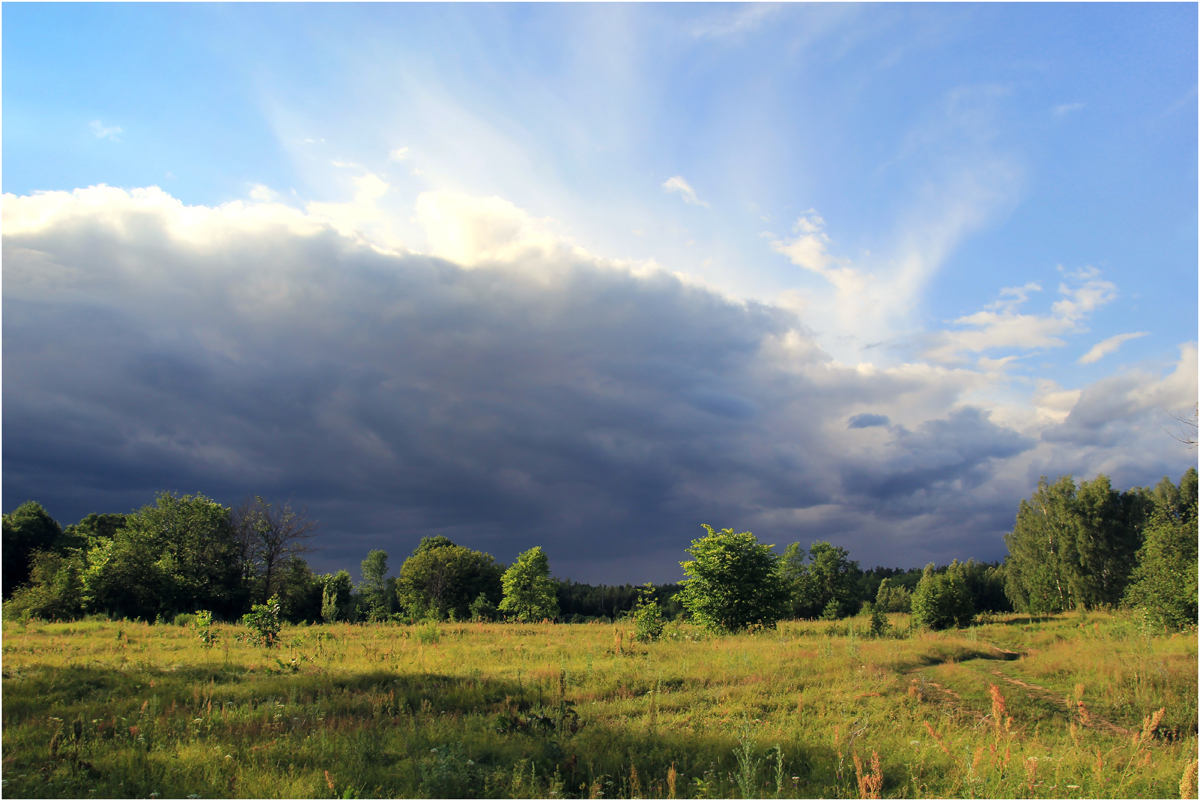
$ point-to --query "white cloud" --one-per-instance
(473, 231)
(678, 184)
(809, 249)
(1107, 346)
(1066, 108)
(262, 193)
(1000, 325)
(399, 154)
(361, 218)
(103, 131)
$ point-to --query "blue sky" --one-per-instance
(973, 225)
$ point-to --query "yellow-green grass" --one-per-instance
(108, 709)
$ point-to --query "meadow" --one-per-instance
(1072, 706)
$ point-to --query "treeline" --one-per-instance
(1091, 546)
(1073, 547)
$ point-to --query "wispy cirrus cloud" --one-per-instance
(680, 186)
(1107, 346)
(102, 131)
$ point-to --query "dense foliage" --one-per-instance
(1081, 547)
(441, 580)
(1164, 581)
(528, 588)
(733, 582)
(943, 600)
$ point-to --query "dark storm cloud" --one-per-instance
(950, 455)
(556, 400)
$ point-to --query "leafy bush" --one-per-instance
(184, 620)
(942, 600)
(733, 582)
(893, 598)
(264, 622)
(647, 618)
(483, 610)
(428, 633)
(202, 622)
(879, 622)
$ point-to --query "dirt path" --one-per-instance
(1086, 717)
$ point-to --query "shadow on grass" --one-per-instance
(381, 732)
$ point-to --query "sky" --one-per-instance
(589, 276)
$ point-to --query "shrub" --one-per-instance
(893, 599)
(942, 600)
(483, 610)
(879, 622)
(428, 633)
(202, 623)
(264, 622)
(647, 617)
(184, 620)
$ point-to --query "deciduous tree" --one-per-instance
(26, 529)
(733, 582)
(442, 578)
(528, 589)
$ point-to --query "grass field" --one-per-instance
(1067, 707)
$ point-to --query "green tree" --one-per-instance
(336, 600)
(942, 600)
(893, 599)
(54, 588)
(733, 582)
(529, 592)
(1164, 582)
(1073, 547)
(824, 586)
(26, 529)
(374, 586)
(442, 579)
(300, 592)
(175, 556)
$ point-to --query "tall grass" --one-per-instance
(1015, 708)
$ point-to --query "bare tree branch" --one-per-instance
(1187, 427)
(268, 535)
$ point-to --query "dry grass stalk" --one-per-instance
(937, 738)
(1000, 716)
(671, 777)
(328, 780)
(596, 790)
(1187, 785)
(1031, 767)
(1150, 724)
(635, 786)
(869, 784)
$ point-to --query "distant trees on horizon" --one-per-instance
(1072, 547)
